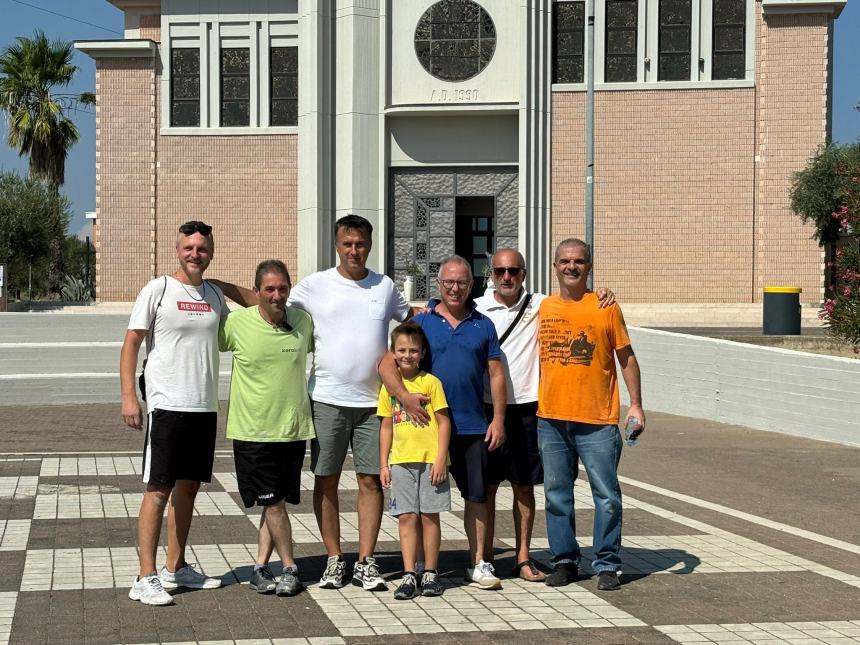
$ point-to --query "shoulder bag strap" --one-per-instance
(517, 319)
(151, 333)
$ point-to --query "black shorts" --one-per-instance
(179, 445)
(471, 467)
(269, 471)
(519, 457)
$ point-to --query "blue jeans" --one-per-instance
(562, 444)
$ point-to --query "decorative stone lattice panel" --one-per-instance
(424, 218)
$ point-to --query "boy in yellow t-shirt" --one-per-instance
(418, 458)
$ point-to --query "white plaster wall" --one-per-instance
(766, 388)
(453, 140)
(411, 84)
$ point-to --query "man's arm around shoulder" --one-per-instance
(393, 382)
(240, 295)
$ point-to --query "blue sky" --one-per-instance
(20, 19)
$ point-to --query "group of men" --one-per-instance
(530, 383)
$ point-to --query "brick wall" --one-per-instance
(244, 186)
(792, 123)
(150, 27)
(147, 185)
(692, 186)
(125, 167)
(673, 191)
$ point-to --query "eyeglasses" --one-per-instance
(189, 228)
(513, 271)
(449, 284)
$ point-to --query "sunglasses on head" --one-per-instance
(500, 271)
(189, 228)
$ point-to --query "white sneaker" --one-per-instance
(188, 576)
(366, 575)
(332, 577)
(149, 591)
(483, 575)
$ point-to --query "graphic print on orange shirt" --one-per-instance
(577, 343)
(564, 347)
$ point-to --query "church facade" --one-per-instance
(459, 126)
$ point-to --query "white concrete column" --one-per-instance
(316, 150)
(535, 149)
(357, 117)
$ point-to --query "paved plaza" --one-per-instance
(730, 535)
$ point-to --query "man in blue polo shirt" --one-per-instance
(464, 345)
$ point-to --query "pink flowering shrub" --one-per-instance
(827, 194)
(841, 308)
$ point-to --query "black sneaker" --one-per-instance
(430, 584)
(608, 581)
(289, 583)
(408, 588)
(263, 580)
(563, 575)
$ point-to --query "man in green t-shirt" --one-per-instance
(269, 418)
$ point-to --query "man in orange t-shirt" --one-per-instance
(578, 411)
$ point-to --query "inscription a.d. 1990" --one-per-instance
(453, 96)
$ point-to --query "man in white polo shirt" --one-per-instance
(514, 313)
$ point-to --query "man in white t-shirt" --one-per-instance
(511, 307)
(179, 316)
(352, 308)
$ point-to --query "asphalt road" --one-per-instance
(58, 359)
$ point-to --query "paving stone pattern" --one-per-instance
(68, 565)
(692, 573)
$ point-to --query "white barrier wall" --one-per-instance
(766, 388)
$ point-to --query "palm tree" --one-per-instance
(36, 124)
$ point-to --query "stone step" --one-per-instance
(706, 315)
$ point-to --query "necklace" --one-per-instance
(191, 295)
(284, 325)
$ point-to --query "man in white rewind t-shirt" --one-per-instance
(352, 308)
(178, 315)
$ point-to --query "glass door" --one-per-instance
(475, 236)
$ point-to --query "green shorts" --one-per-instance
(336, 427)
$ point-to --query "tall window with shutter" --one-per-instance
(185, 88)
(676, 21)
(284, 86)
(729, 54)
(235, 87)
(568, 42)
(622, 18)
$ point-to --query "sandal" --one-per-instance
(528, 571)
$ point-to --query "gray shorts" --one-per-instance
(412, 492)
(336, 427)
